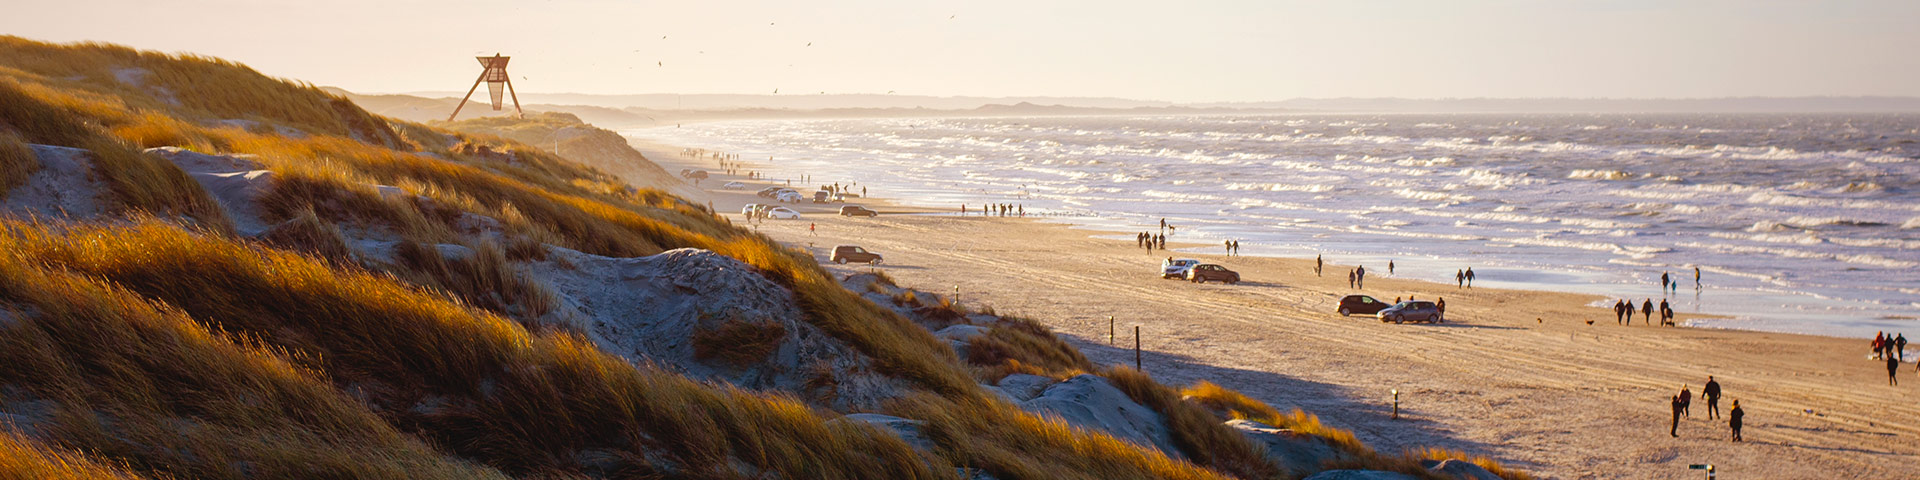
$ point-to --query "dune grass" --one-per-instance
(1196, 431)
(17, 162)
(476, 384)
(22, 458)
(140, 383)
(1491, 465)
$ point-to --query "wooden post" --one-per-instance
(1396, 404)
(1136, 347)
(463, 100)
(1109, 330)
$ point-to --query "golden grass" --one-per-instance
(476, 384)
(17, 162)
(1196, 431)
(144, 384)
(1002, 440)
(24, 459)
(138, 181)
(1236, 405)
(1019, 345)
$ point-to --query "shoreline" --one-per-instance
(1479, 383)
(1726, 301)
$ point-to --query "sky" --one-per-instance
(1181, 51)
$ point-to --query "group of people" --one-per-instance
(1356, 278)
(1893, 349)
(1623, 312)
(1463, 278)
(1233, 247)
(1670, 284)
(1683, 402)
(1151, 241)
(999, 209)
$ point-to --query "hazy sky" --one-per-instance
(1164, 50)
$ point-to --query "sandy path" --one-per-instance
(1559, 398)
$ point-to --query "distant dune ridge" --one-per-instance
(616, 111)
(209, 273)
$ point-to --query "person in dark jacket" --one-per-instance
(1619, 311)
(1733, 420)
(1686, 401)
(1893, 371)
(1900, 346)
(1646, 312)
(1712, 394)
(1674, 429)
(1666, 312)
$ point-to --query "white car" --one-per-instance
(1177, 268)
(734, 186)
(783, 213)
(749, 208)
(789, 196)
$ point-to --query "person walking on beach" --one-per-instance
(1236, 248)
(1227, 244)
(1696, 277)
(1360, 277)
(1893, 371)
(1440, 307)
(1619, 312)
(1674, 429)
(1666, 313)
(1879, 344)
(1712, 394)
(1163, 225)
(1459, 278)
(1469, 277)
(1686, 402)
(1663, 281)
(1900, 346)
(810, 229)
(1389, 268)
(1318, 262)
(1733, 420)
(1646, 312)
(1163, 242)
(1350, 278)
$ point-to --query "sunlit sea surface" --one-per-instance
(1799, 223)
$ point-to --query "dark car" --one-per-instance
(1361, 304)
(822, 196)
(858, 211)
(1412, 311)
(768, 192)
(850, 253)
(1206, 271)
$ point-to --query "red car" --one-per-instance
(1361, 304)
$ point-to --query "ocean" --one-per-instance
(1798, 223)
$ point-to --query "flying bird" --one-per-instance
(809, 44)
(776, 91)
(663, 37)
(659, 64)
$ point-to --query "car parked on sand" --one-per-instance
(857, 211)
(1361, 304)
(734, 185)
(1412, 311)
(789, 197)
(1207, 272)
(822, 196)
(769, 191)
(749, 208)
(853, 253)
(782, 213)
(1176, 268)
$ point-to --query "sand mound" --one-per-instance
(64, 187)
(1090, 402)
(1299, 453)
(711, 317)
(236, 181)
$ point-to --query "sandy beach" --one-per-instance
(1516, 375)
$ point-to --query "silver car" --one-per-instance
(1412, 311)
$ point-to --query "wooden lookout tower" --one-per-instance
(494, 72)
